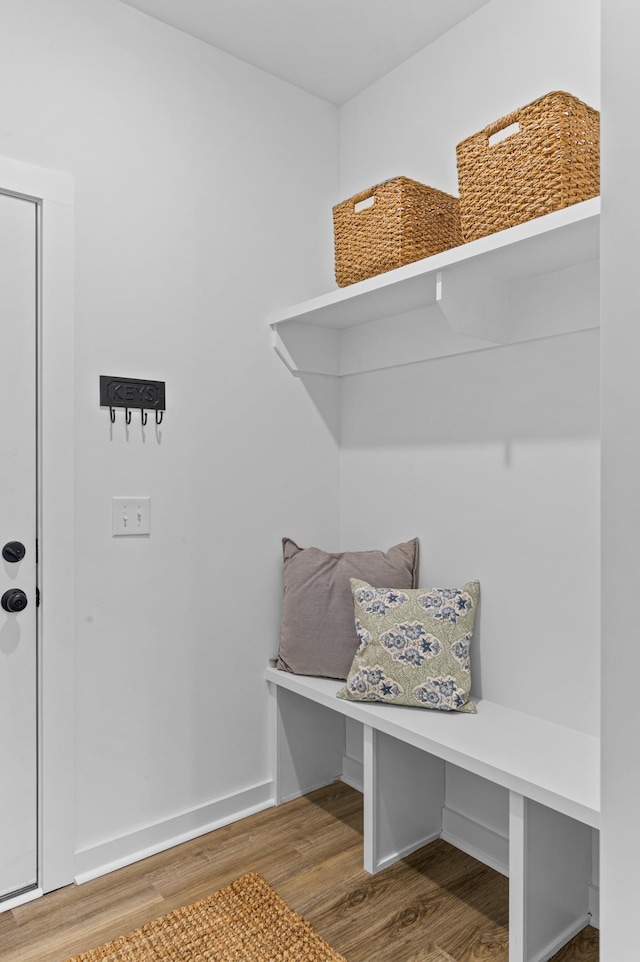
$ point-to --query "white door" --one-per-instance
(18, 526)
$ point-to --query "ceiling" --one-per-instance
(330, 48)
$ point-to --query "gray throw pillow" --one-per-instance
(318, 634)
(414, 646)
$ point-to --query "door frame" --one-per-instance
(55, 515)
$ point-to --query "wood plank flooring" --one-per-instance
(438, 905)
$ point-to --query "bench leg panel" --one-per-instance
(307, 744)
(403, 799)
(550, 862)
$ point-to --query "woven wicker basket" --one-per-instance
(549, 161)
(394, 223)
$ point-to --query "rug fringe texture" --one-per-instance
(245, 922)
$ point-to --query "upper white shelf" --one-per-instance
(530, 281)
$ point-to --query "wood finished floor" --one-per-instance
(438, 905)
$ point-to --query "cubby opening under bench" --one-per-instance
(552, 775)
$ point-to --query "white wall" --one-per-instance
(504, 56)
(620, 855)
(203, 196)
(492, 459)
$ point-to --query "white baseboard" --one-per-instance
(21, 899)
(353, 773)
(546, 954)
(594, 905)
(314, 786)
(117, 852)
(404, 852)
(476, 840)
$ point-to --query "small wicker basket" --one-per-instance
(535, 160)
(392, 224)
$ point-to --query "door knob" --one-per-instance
(14, 551)
(14, 600)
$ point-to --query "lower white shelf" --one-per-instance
(551, 773)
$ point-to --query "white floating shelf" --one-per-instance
(531, 281)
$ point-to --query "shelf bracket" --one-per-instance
(473, 304)
(307, 349)
(279, 347)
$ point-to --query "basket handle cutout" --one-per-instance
(502, 134)
(363, 204)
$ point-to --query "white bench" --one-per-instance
(552, 775)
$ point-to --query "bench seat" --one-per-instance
(556, 766)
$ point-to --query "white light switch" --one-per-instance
(130, 516)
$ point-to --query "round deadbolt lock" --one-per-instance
(14, 551)
(14, 600)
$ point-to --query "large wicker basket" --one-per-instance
(392, 224)
(549, 161)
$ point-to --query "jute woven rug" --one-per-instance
(245, 922)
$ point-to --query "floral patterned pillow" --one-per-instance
(414, 646)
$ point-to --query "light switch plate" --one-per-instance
(130, 516)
